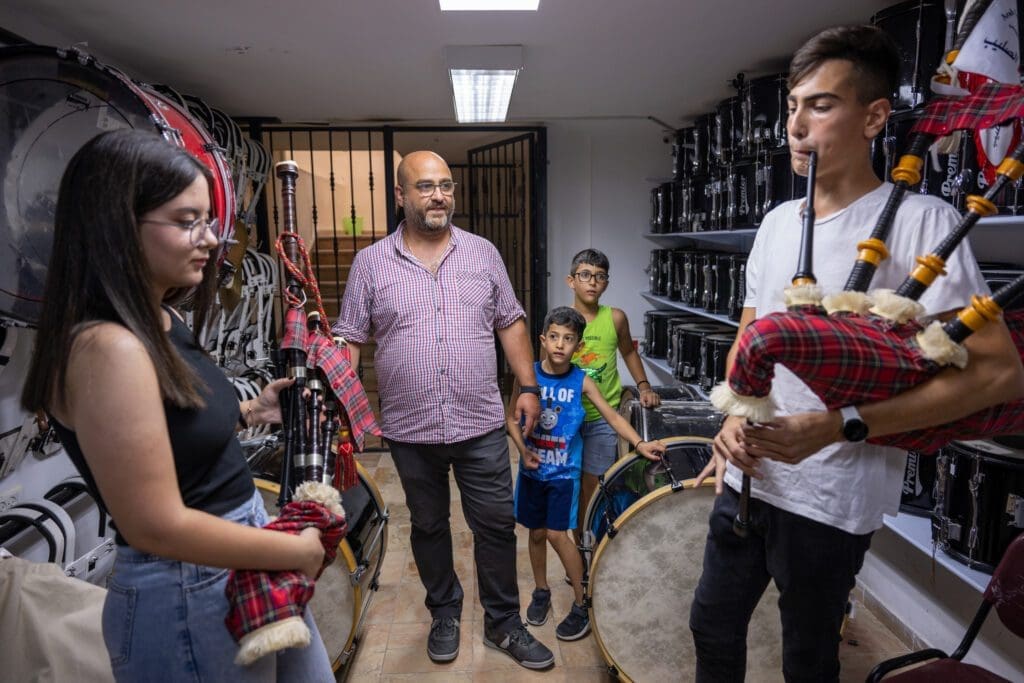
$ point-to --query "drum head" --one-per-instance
(54, 102)
(54, 106)
(642, 583)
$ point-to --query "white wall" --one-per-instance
(599, 182)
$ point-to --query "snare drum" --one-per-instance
(765, 111)
(776, 183)
(57, 100)
(739, 189)
(918, 494)
(919, 28)
(703, 132)
(676, 268)
(682, 153)
(641, 583)
(688, 355)
(344, 590)
(728, 130)
(672, 354)
(657, 271)
(979, 506)
(714, 348)
(673, 418)
(691, 290)
(656, 326)
(716, 283)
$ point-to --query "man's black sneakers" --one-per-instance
(443, 641)
(521, 646)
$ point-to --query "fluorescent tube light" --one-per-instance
(482, 80)
(482, 95)
(488, 5)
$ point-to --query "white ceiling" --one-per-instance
(382, 60)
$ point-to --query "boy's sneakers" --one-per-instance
(574, 626)
(521, 646)
(540, 605)
(443, 641)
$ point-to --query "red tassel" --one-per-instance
(349, 475)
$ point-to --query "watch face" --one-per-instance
(855, 430)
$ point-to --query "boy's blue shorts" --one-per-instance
(551, 504)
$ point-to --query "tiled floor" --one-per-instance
(393, 644)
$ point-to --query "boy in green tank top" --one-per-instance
(607, 332)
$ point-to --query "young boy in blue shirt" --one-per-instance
(547, 490)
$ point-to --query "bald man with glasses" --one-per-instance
(433, 297)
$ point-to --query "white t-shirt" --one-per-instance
(849, 486)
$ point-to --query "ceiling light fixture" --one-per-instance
(482, 79)
(488, 5)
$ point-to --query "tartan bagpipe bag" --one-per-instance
(854, 348)
(266, 607)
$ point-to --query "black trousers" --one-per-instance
(484, 478)
(814, 566)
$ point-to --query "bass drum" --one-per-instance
(56, 101)
(633, 477)
(642, 582)
(344, 590)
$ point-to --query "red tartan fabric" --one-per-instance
(843, 358)
(257, 598)
(992, 104)
(849, 359)
(336, 366)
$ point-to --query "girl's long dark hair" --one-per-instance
(97, 271)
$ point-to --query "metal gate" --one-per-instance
(507, 205)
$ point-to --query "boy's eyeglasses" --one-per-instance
(426, 188)
(585, 275)
(196, 229)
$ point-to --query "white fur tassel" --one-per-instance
(319, 492)
(893, 307)
(754, 409)
(938, 347)
(804, 295)
(847, 302)
(271, 638)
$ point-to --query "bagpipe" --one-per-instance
(857, 346)
(326, 416)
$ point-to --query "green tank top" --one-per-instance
(597, 357)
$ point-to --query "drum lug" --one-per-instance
(612, 531)
(357, 576)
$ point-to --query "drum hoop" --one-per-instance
(627, 514)
(1001, 454)
(625, 460)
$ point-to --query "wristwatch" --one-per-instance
(854, 428)
(529, 390)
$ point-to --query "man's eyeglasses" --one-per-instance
(426, 188)
(196, 229)
(585, 275)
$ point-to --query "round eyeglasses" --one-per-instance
(426, 188)
(196, 229)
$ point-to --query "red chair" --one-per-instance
(1006, 593)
